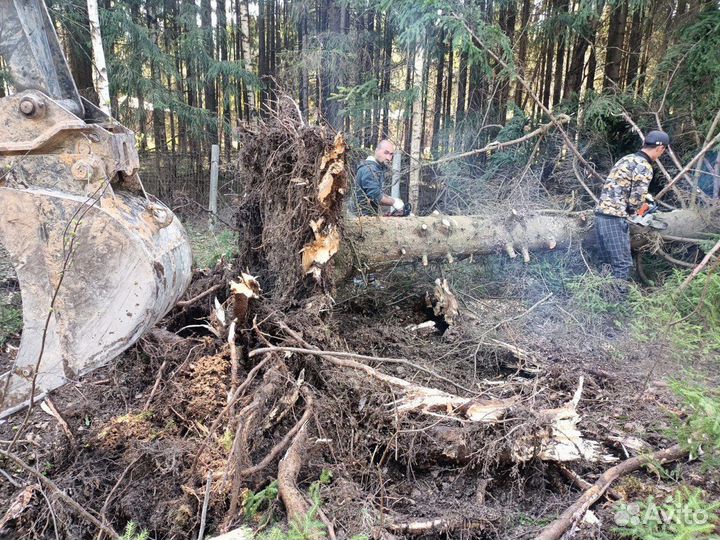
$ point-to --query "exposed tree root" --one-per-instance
(577, 510)
(559, 440)
(437, 526)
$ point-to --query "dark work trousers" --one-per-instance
(613, 235)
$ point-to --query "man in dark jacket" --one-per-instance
(623, 193)
(369, 181)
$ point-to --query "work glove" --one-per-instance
(398, 205)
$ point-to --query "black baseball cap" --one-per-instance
(657, 138)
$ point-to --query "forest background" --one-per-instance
(437, 77)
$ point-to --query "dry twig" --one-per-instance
(194, 299)
(338, 354)
(495, 145)
(206, 500)
(708, 256)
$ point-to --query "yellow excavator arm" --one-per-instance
(97, 260)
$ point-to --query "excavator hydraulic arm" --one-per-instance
(98, 261)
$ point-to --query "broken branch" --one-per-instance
(495, 145)
(577, 510)
(700, 266)
(338, 354)
(194, 299)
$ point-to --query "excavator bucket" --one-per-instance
(98, 261)
(94, 275)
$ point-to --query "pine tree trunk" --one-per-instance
(80, 50)
(616, 40)
(508, 15)
(262, 59)
(646, 48)
(537, 77)
(190, 144)
(574, 77)
(635, 45)
(591, 70)
(330, 23)
(560, 57)
(416, 130)
(222, 38)
(425, 86)
(460, 109)
(272, 45)
(382, 242)
(386, 75)
(170, 11)
(547, 78)
(377, 75)
(447, 122)
(250, 106)
(158, 114)
(522, 49)
(302, 68)
(210, 88)
(439, 79)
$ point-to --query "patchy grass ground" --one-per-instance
(10, 311)
(209, 246)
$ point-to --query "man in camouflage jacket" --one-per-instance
(622, 195)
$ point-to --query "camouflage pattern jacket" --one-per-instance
(626, 186)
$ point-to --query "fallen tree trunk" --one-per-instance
(375, 242)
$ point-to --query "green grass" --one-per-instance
(684, 515)
(688, 513)
(10, 322)
(132, 532)
(698, 429)
(209, 247)
(601, 295)
(688, 321)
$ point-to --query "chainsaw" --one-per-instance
(645, 215)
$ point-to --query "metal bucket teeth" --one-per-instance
(94, 275)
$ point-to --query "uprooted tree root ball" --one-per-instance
(265, 403)
(293, 179)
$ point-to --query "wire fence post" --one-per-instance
(214, 167)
